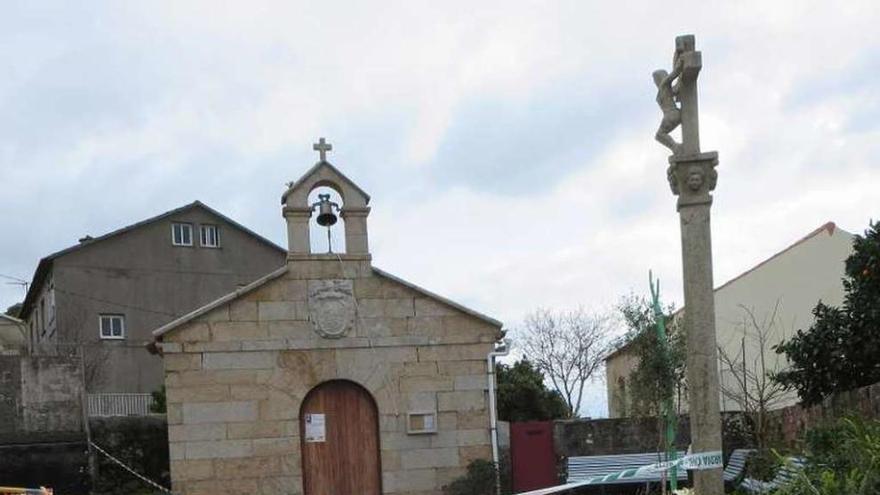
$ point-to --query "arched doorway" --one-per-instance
(339, 435)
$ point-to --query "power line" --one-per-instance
(16, 281)
(116, 303)
(117, 344)
(146, 270)
(164, 270)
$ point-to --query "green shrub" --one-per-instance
(842, 459)
(158, 405)
(480, 479)
(762, 465)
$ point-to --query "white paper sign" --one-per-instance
(315, 428)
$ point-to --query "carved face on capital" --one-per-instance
(695, 178)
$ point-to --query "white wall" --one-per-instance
(795, 279)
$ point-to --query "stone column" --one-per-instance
(692, 177)
(356, 240)
(298, 242)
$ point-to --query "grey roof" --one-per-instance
(219, 302)
(312, 170)
(11, 319)
(159, 332)
(46, 262)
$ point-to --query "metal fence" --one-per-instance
(119, 404)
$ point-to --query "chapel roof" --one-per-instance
(242, 291)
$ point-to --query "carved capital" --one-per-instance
(693, 177)
(296, 211)
(354, 212)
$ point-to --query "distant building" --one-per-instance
(103, 296)
(784, 288)
(12, 334)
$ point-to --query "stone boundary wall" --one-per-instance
(584, 437)
(42, 439)
(610, 436)
(789, 425)
(40, 397)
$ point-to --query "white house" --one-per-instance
(777, 295)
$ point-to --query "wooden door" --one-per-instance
(342, 457)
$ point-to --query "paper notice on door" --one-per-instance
(315, 428)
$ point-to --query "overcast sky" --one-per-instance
(508, 146)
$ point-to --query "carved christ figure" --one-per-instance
(667, 95)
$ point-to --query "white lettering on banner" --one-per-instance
(703, 460)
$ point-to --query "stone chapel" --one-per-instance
(328, 375)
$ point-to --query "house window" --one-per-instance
(210, 236)
(181, 234)
(42, 313)
(51, 296)
(112, 326)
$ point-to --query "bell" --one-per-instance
(326, 217)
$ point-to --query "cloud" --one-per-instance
(507, 145)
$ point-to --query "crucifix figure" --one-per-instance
(322, 147)
(680, 87)
(667, 95)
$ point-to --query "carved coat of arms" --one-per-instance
(331, 307)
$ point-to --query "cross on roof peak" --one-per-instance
(322, 147)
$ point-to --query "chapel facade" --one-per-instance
(327, 375)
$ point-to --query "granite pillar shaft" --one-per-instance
(699, 324)
(692, 178)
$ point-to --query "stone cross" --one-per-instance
(692, 177)
(322, 147)
(689, 62)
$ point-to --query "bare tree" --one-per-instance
(751, 368)
(568, 347)
(78, 337)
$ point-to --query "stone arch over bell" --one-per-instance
(298, 211)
